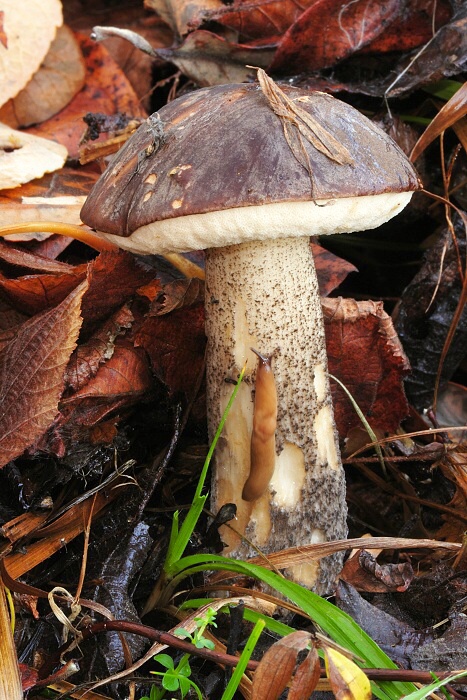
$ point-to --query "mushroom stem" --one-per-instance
(265, 295)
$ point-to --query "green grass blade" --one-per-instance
(334, 622)
(236, 677)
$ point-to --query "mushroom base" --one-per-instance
(265, 295)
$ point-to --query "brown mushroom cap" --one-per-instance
(224, 148)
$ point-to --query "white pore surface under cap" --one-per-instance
(258, 223)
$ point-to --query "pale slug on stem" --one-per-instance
(263, 437)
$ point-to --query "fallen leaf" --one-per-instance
(113, 279)
(365, 353)
(89, 356)
(106, 89)
(425, 314)
(348, 681)
(57, 197)
(277, 665)
(259, 18)
(396, 638)
(28, 29)
(32, 368)
(414, 27)
(22, 258)
(329, 31)
(175, 341)
(364, 573)
(442, 56)
(125, 375)
(24, 157)
(32, 294)
(183, 15)
(306, 677)
(330, 269)
(209, 59)
(59, 78)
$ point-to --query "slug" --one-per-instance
(263, 437)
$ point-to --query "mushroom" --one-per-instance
(249, 172)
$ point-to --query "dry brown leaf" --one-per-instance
(24, 157)
(183, 15)
(29, 27)
(209, 59)
(58, 197)
(32, 367)
(59, 78)
(276, 667)
(365, 353)
(106, 89)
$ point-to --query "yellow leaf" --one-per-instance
(348, 682)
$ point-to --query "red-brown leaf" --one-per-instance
(329, 31)
(306, 677)
(125, 375)
(276, 667)
(173, 335)
(106, 90)
(32, 294)
(89, 356)
(260, 18)
(364, 573)
(330, 269)
(32, 261)
(113, 278)
(365, 353)
(32, 368)
(414, 27)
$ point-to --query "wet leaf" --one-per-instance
(413, 27)
(178, 294)
(125, 375)
(106, 89)
(447, 116)
(22, 258)
(175, 341)
(113, 279)
(365, 574)
(59, 78)
(28, 29)
(425, 314)
(306, 677)
(329, 31)
(34, 293)
(89, 356)
(260, 18)
(32, 368)
(365, 353)
(443, 56)
(397, 638)
(183, 15)
(276, 667)
(330, 269)
(209, 59)
(348, 682)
